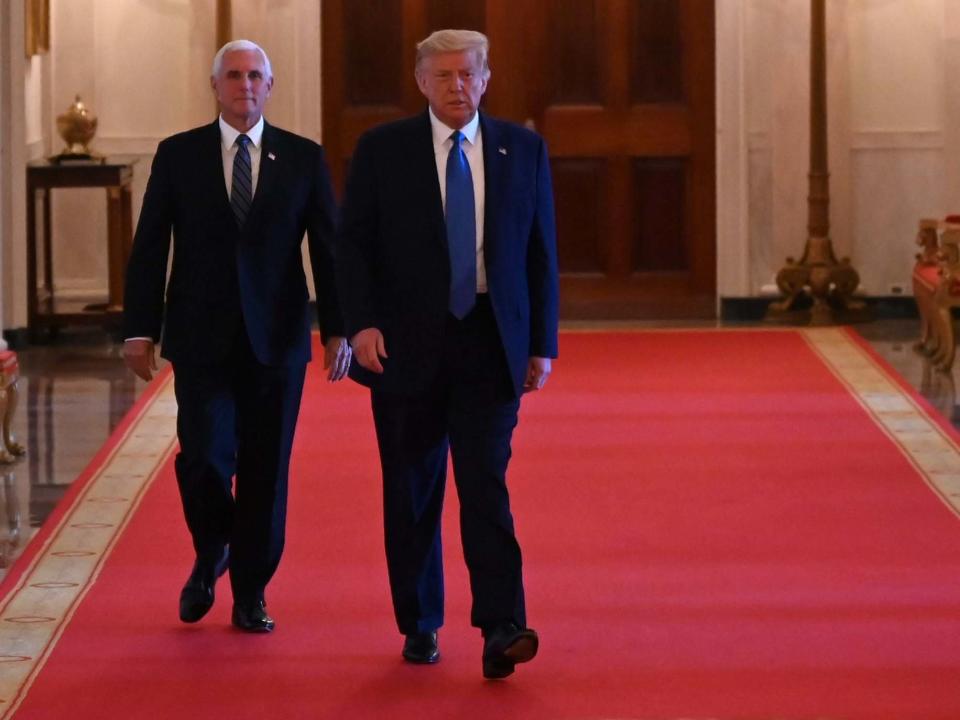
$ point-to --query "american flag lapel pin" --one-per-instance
(502, 150)
(271, 156)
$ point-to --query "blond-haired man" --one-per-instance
(448, 277)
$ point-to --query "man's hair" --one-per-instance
(235, 45)
(445, 41)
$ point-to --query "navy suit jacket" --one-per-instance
(222, 275)
(393, 266)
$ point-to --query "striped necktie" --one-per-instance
(241, 189)
(461, 230)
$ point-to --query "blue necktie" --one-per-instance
(461, 230)
(241, 189)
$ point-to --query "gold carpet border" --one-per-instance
(932, 451)
(38, 609)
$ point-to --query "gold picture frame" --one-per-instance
(36, 15)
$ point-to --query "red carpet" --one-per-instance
(714, 526)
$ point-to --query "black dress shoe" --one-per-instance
(252, 617)
(506, 645)
(421, 648)
(197, 595)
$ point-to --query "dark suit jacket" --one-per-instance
(222, 275)
(392, 263)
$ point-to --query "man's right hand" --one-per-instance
(139, 356)
(368, 348)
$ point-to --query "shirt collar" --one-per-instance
(442, 133)
(229, 134)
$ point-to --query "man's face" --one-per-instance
(453, 84)
(242, 88)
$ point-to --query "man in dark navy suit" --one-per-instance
(238, 196)
(448, 278)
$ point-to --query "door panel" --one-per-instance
(660, 188)
(656, 57)
(580, 246)
(622, 91)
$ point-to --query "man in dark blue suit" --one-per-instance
(238, 196)
(448, 278)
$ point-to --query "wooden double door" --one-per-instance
(623, 93)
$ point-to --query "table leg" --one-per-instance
(116, 248)
(47, 246)
(31, 258)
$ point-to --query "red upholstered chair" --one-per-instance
(9, 375)
(936, 288)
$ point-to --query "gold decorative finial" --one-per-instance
(77, 126)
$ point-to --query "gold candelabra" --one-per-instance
(818, 288)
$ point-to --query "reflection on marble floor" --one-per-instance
(893, 340)
(72, 394)
(75, 392)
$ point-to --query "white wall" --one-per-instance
(733, 192)
(4, 150)
(898, 119)
(20, 97)
(951, 100)
(894, 132)
(35, 80)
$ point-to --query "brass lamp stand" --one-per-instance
(818, 288)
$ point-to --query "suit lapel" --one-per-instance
(495, 168)
(213, 166)
(267, 174)
(424, 161)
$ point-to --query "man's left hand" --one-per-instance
(538, 370)
(336, 358)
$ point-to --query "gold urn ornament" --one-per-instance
(77, 126)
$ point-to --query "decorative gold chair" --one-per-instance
(936, 288)
(10, 450)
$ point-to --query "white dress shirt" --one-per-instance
(473, 149)
(228, 149)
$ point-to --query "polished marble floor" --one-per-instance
(74, 391)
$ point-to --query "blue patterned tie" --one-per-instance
(461, 230)
(241, 189)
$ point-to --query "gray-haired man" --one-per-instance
(238, 196)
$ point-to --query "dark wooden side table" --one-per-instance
(46, 312)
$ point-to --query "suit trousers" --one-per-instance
(470, 411)
(236, 418)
